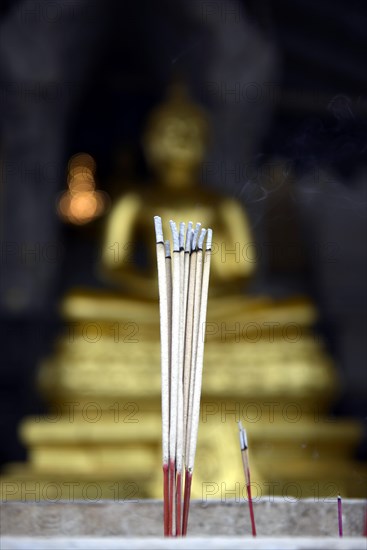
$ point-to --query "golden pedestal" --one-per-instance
(263, 365)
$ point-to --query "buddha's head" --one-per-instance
(176, 138)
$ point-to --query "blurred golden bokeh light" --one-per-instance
(83, 160)
(81, 203)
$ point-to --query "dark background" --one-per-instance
(285, 84)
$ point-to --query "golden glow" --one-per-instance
(82, 160)
(82, 203)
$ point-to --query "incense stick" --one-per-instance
(175, 345)
(189, 327)
(180, 427)
(165, 360)
(196, 380)
(167, 389)
(246, 468)
(169, 293)
(188, 310)
(340, 516)
(187, 266)
(195, 335)
(201, 292)
(189, 287)
(190, 359)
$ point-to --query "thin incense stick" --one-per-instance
(169, 293)
(175, 343)
(246, 468)
(195, 336)
(187, 342)
(165, 361)
(189, 332)
(197, 379)
(189, 374)
(340, 516)
(187, 266)
(180, 435)
(169, 329)
(202, 282)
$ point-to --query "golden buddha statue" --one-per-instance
(263, 364)
(175, 144)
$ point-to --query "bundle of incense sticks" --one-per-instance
(183, 282)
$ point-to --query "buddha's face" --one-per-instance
(179, 140)
(175, 147)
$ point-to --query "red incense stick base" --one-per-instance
(165, 499)
(252, 516)
(178, 503)
(172, 476)
(187, 494)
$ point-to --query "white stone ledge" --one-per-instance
(190, 543)
(275, 518)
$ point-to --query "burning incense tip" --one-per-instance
(175, 236)
(209, 238)
(182, 235)
(195, 236)
(188, 237)
(243, 437)
(201, 239)
(158, 229)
